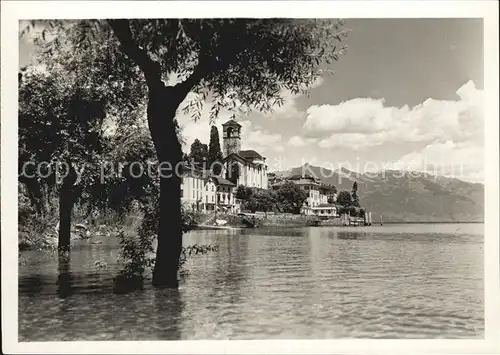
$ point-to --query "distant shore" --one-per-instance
(432, 222)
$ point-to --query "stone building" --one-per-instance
(242, 167)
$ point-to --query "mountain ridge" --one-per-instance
(406, 196)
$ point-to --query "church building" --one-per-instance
(242, 167)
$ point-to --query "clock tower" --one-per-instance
(231, 137)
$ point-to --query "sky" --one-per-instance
(407, 95)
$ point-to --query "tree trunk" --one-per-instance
(163, 102)
(161, 113)
(67, 197)
(65, 208)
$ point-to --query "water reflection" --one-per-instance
(64, 279)
(31, 285)
(168, 307)
(348, 235)
(276, 283)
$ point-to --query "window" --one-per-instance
(182, 193)
(206, 187)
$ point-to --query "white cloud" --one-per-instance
(298, 141)
(253, 137)
(365, 122)
(354, 141)
(259, 140)
(450, 130)
(279, 148)
(462, 160)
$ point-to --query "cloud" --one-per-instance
(354, 141)
(252, 136)
(462, 160)
(279, 148)
(298, 141)
(365, 122)
(259, 140)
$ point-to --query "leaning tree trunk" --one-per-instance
(161, 117)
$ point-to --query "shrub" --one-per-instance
(36, 231)
(137, 250)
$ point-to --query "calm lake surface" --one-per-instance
(391, 281)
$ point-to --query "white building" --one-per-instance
(206, 192)
(203, 192)
(320, 197)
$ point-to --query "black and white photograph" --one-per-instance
(220, 175)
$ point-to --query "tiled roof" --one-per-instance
(241, 158)
(231, 123)
(200, 173)
(222, 181)
(305, 182)
(249, 154)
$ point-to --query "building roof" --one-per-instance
(327, 187)
(199, 173)
(330, 205)
(249, 154)
(242, 159)
(305, 182)
(231, 122)
(222, 181)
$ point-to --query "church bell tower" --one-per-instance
(231, 137)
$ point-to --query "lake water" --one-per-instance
(391, 281)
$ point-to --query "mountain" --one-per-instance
(402, 196)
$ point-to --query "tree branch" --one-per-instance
(207, 64)
(183, 88)
(150, 68)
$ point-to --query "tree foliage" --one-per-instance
(214, 151)
(60, 121)
(198, 153)
(243, 192)
(239, 64)
(287, 198)
(354, 194)
(262, 201)
(344, 198)
(352, 211)
(290, 197)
